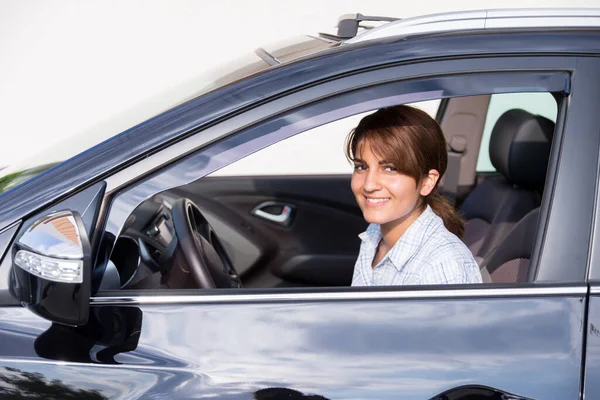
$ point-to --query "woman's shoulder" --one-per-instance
(449, 270)
(443, 244)
(446, 259)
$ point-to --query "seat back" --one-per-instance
(519, 150)
(510, 261)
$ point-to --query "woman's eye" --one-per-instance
(389, 168)
(359, 167)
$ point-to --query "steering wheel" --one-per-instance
(198, 257)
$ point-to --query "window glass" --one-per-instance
(326, 158)
(296, 192)
(536, 103)
(285, 212)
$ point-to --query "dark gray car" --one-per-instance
(135, 270)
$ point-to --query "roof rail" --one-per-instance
(348, 25)
(485, 19)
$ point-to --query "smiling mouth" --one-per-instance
(376, 202)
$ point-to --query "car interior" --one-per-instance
(299, 228)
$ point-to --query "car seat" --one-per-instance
(510, 261)
(519, 150)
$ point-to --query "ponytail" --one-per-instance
(442, 208)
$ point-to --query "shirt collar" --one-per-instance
(372, 236)
(409, 242)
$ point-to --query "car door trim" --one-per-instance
(347, 295)
(595, 288)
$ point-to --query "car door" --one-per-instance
(351, 343)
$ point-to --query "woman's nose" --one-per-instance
(371, 181)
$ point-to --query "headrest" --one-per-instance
(520, 147)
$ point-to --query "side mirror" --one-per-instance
(51, 270)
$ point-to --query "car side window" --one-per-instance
(542, 104)
(326, 158)
(281, 225)
(285, 215)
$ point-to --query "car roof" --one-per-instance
(481, 20)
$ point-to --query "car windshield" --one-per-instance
(16, 169)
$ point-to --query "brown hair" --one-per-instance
(414, 143)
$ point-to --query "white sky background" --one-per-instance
(67, 66)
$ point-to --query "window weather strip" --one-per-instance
(420, 294)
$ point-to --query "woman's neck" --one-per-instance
(392, 231)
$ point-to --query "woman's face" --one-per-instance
(385, 196)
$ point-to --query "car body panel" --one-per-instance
(6, 237)
(383, 349)
(591, 386)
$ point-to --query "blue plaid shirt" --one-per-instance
(426, 254)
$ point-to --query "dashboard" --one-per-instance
(140, 254)
(144, 252)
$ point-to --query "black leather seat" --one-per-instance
(509, 262)
(519, 150)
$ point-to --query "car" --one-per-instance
(173, 261)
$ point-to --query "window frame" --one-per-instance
(497, 67)
(583, 120)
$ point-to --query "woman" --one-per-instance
(399, 156)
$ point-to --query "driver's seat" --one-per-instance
(509, 262)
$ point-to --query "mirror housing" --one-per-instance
(51, 272)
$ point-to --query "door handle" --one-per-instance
(282, 217)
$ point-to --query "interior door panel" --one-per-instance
(316, 245)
